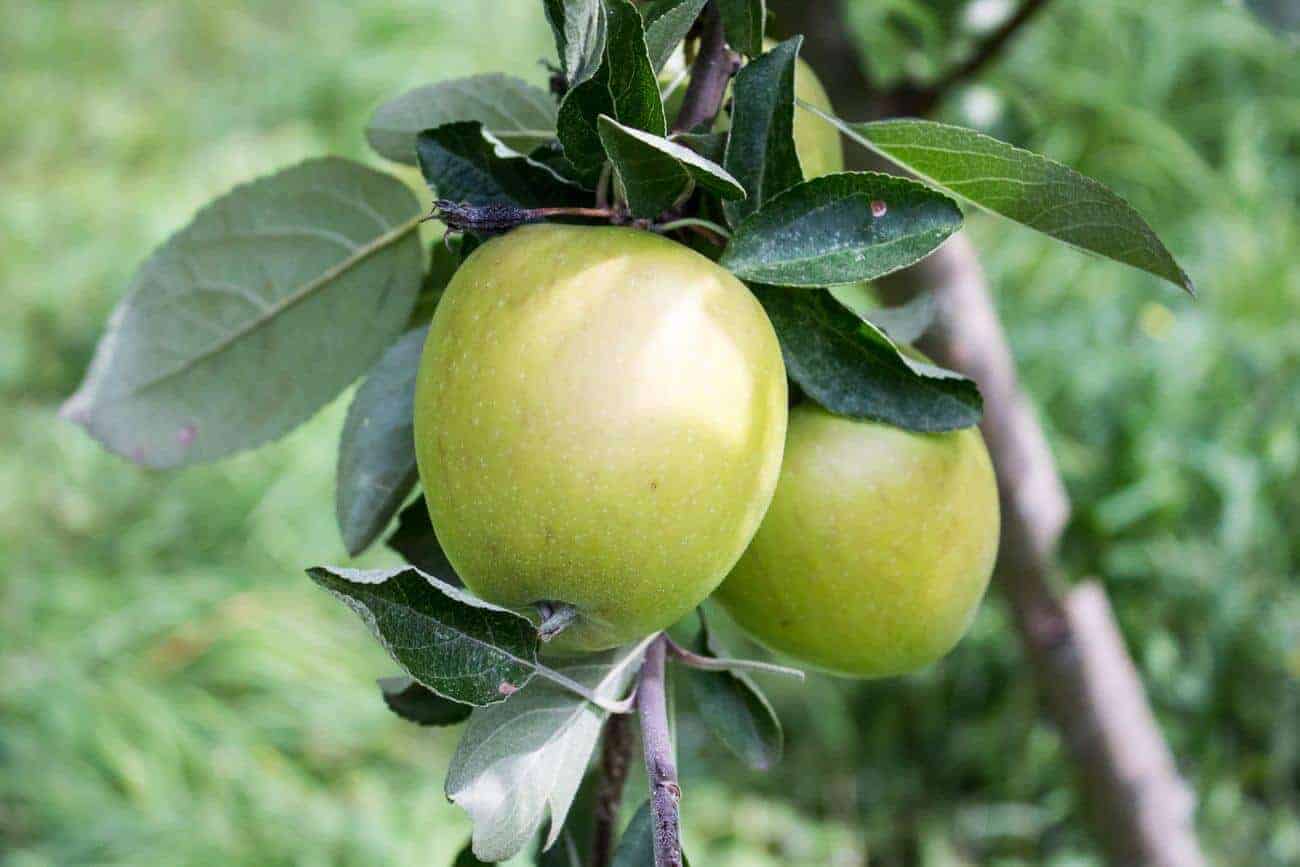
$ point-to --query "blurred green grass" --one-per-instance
(173, 691)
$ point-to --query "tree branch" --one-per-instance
(987, 49)
(1141, 810)
(712, 70)
(829, 45)
(615, 755)
(911, 99)
(661, 766)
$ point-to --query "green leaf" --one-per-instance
(460, 647)
(852, 369)
(520, 763)
(376, 468)
(275, 298)
(761, 150)
(565, 853)
(415, 540)
(744, 21)
(841, 229)
(734, 709)
(1032, 190)
(444, 260)
(905, 323)
(462, 162)
(580, 31)
(626, 88)
(710, 145)
(466, 858)
(636, 846)
(656, 172)
(414, 703)
(666, 24)
(517, 114)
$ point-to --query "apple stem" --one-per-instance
(710, 73)
(556, 617)
(660, 763)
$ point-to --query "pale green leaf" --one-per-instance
(518, 114)
(275, 298)
(519, 763)
(376, 469)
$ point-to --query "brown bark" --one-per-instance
(1140, 808)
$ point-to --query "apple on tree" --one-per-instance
(599, 419)
(599, 413)
(876, 550)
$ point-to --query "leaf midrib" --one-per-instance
(303, 292)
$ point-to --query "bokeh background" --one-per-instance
(174, 691)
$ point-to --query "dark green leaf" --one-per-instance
(666, 24)
(625, 88)
(414, 703)
(517, 114)
(462, 162)
(565, 852)
(573, 848)
(415, 540)
(577, 129)
(632, 79)
(734, 709)
(1022, 186)
(905, 323)
(376, 468)
(710, 145)
(580, 29)
(466, 858)
(761, 151)
(460, 647)
(841, 229)
(520, 763)
(744, 21)
(444, 260)
(656, 172)
(851, 368)
(636, 846)
(275, 298)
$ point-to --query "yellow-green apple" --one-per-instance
(876, 550)
(599, 419)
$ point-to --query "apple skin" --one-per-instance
(817, 142)
(876, 550)
(599, 420)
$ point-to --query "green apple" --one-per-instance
(816, 142)
(876, 550)
(599, 419)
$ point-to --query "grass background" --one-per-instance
(173, 691)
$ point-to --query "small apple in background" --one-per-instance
(876, 550)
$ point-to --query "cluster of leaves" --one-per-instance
(282, 293)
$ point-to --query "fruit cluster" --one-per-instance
(602, 422)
